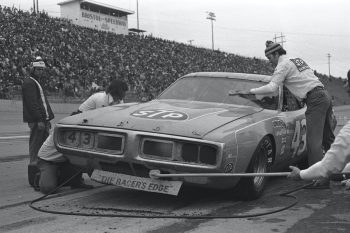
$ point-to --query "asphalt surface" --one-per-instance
(322, 210)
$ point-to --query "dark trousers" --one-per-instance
(52, 174)
(36, 139)
(319, 131)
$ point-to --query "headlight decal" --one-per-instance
(90, 140)
(178, 150)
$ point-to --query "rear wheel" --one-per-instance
(250, 188)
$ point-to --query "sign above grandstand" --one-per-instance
(88, 13)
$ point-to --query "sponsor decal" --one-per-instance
(138, 183)
(281, 131)
(300, 64)
(160, 114)
(228, 168)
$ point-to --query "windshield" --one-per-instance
(216, 90)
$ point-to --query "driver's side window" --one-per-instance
(290, 102)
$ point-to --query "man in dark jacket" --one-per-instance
(349, 80)
(36, 112)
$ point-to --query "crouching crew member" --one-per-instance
(54, 167)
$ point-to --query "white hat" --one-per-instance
(39, 62)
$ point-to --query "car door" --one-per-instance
(292, 128)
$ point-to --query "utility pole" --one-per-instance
(37, 6)
(282, 39)
(190, 41)
(34, 11)
(137, 12)
(211, 16)
(329, 64)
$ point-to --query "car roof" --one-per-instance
(253, 77)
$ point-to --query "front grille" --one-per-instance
(179, 150)
(158, 148)
(109, 142)
(206, 155)
(90, 140)
(189, 152)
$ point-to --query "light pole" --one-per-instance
(329, 64)
(137, 12)
(34, 7)
(211, 16)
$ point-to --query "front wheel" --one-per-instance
(250, 188)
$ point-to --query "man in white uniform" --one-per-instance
(54, 167)
(335, 160)
(301, 81)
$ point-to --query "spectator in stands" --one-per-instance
(297, 76)
(36, 112)
(63, 45)
(54, 168)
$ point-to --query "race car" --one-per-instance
(197, 125)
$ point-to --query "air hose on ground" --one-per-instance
(184, 216)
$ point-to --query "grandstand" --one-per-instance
(83, 59)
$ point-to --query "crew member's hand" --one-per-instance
(294, 174)
(346, 183)
(41, 125)
(244, 92)
(233, 92)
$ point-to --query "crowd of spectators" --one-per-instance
(83, 60)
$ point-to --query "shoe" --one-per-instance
(36, 182)
(81, 185)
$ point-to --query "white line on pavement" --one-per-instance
(13, 137)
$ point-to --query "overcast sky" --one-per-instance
(312, 29)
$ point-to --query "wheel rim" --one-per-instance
(260, 163)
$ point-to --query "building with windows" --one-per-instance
(88, 13)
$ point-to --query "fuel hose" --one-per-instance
(156, 173)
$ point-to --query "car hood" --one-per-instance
(189, 119)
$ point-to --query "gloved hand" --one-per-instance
(346, 183)
(244, 92)
(240, 93)
(294, 174)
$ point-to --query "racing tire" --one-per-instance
(251, 188)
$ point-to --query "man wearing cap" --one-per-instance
(301, 81)
(349, 80)
(36, 112)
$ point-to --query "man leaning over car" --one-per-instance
(301, 81)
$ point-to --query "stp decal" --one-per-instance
(160, 114)
(300, 64)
